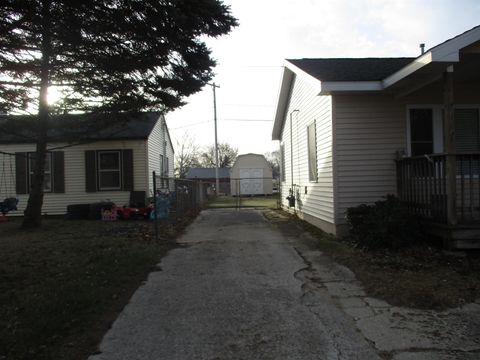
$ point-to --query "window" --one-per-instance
(421, 131)
(312, 152)
(109, 170)
(47, 181)
(54, 180)
(161, 164)
(166, 166)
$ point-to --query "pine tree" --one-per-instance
(104, 56)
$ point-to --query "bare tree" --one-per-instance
(186, 156)
(273, 158)
(226, 156)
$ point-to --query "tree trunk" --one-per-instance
(33, 212)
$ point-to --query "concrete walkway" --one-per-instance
(239, 288)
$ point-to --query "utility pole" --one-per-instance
(217, 181)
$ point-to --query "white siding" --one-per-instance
(75, 193)
(318, 199)
(369, 129)
(156, 147)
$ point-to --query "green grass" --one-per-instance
(62, 286)
(253, 201)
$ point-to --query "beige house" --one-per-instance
(109, 164)
(353, 130)
(251, 174)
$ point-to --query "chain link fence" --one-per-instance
(175, 199)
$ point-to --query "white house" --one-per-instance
(352, 130)
(251, 174)
(110, 163)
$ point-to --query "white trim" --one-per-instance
(288, 77)
(415, 65)
(448, 52)
(317, 84)
(327, 87)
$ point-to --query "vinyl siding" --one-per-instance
(369, 129)
(75, 193)
(317, 202)
(155, 147)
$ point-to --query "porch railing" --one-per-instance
(422, 183)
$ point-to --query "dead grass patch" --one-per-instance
(421, 276)
(63, 285)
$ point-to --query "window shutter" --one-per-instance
(21, 164)
(282, 162)
(312, 152)
(58, 172)
(90, 171)
(467, 137)
(127, 160)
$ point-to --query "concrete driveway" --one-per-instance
(239, 288)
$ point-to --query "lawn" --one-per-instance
(62, 286)
(270, 201)
(420, 276)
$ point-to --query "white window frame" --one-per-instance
(437, 124)
(100, 170)
(48, 159)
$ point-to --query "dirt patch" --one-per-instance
(62, 286)
(421, 276)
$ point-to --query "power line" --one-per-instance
(251, 120)
(188, 125)
(250, 105)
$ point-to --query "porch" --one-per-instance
(449, 201)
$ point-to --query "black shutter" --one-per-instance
(21, 172)
(58, 172)
(127, 167)
(90, 171)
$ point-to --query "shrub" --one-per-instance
(386, 224)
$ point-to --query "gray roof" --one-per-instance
(207, 173)
(80, 127)
(353, 69)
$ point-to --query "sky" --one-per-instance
(251, 57)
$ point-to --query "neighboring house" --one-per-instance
(251, 174)
(108, 164)
(353, 130)
(208, 178)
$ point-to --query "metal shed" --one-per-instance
(251, 174)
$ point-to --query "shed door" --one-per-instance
(251, 182)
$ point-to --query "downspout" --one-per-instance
(164, 131)
(291, 154)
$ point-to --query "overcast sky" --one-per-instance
(251, 57)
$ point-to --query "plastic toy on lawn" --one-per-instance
(109, 214)
(9, 204)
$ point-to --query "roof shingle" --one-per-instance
(353, 69)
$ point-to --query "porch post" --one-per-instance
(449, 135)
